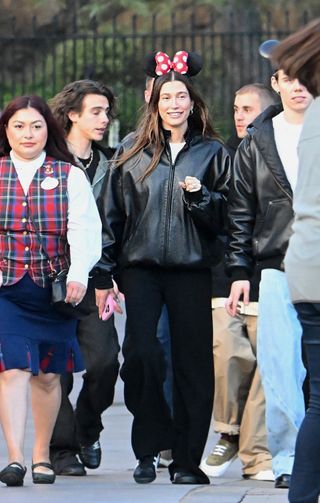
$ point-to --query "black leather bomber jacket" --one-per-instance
(154, 222)
(260, 202)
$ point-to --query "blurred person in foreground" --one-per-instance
(299, 56)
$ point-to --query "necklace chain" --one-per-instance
(89, 162)
(71, 148)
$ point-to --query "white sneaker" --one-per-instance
(223, 454)
(265, 475)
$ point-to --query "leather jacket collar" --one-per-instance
(189, 135)
(262, 133)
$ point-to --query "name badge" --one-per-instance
(49, 183)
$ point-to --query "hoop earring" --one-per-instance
(191, 111)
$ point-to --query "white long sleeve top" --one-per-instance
(84, 225)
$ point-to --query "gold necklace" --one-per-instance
(80, 164)
(89, 162)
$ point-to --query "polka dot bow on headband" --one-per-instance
(164, 63)
(159, 63)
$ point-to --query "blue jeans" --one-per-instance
(282, 372)
(305, 480)
(163, 335)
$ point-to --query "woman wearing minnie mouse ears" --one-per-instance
(162, 208)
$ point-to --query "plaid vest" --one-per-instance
(44, 207)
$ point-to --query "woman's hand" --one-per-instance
(191, 184)
(101, 297)
(101, 300)
(75, 292)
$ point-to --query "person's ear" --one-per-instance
(275, 85)
(73, 116)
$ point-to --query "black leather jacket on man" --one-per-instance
(154, 222)
(97, 278)
(105, 154)
(260, 202)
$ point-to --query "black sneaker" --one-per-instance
(145, 470)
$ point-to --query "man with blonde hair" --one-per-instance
(239, 405)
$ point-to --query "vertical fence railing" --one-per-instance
(43, 62)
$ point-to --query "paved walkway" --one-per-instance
(112, 482)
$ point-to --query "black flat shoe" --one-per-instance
(90, 455)
(75, 469)
(183, 477)
(13, 474)
(283, 481)
(43, 478)
(145, 471)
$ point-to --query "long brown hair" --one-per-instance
(150, 134)
(55, 147)
(299, 56)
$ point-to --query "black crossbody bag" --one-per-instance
(59, 289)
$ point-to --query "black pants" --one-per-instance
(99, 346)
(187, 295)
(305, 479)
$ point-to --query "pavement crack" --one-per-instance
(243, 497)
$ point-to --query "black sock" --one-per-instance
(233, 439)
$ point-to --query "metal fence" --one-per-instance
(41, 60)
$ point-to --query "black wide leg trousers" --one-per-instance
(99, 346)
(187, 295)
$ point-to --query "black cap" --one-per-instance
(266, 49)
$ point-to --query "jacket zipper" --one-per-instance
(169, 205)
(281, 188)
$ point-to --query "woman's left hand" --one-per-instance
(101, 297)
(75, 292)
(191, 184)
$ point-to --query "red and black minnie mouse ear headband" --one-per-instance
(159, 63)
